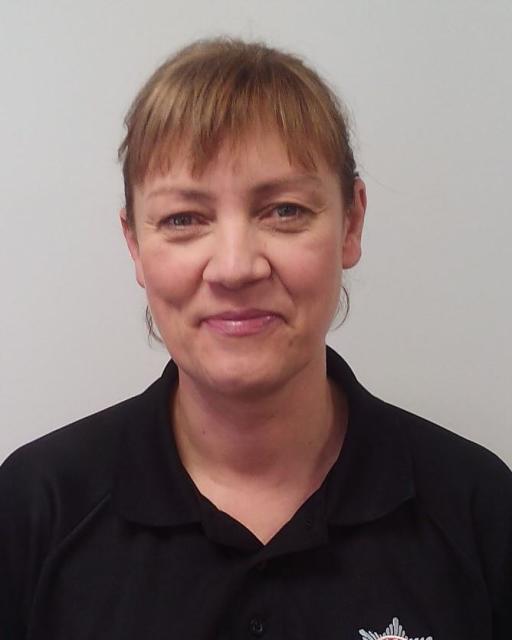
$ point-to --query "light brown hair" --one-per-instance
(217, 90)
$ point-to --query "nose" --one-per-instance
(237, 257)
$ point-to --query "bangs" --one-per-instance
(195, 108)
(196, 131)
(218, 92)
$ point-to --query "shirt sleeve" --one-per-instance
(493, 528)
(25, 516)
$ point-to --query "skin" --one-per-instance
(257, 232)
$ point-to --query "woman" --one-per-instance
(255, 489)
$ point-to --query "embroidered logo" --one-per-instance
(394, 631)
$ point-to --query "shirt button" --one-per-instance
(256, 627)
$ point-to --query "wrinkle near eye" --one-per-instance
(310, 200)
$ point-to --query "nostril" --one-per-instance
(236, 271)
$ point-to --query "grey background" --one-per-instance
(430, 89)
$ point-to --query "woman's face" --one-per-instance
(242, 266)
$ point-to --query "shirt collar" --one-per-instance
(373, 474)
(151, 485)
(371, 478)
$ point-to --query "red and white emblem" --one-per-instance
(394, 631)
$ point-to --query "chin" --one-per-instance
(243, 389)
(242, 367)
(242, 375)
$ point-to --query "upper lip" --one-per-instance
(241, 314)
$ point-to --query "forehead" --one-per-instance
(258, 157)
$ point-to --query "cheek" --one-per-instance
(313, 272)
(170, 275)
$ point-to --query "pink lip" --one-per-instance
(241, 323)
(242, 314)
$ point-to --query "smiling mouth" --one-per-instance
(241, 324)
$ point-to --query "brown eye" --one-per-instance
(180, 220)
(288, 210)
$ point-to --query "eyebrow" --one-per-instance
(263, 189)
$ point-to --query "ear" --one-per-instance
(133, 246)
(353, 226)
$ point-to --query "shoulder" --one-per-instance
(441, 455)
(82, 443)
(462, 486)
(60, 476)
(47, 488)
(465, 491)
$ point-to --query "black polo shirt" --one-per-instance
(104, 536)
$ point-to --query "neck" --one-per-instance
(288, 438)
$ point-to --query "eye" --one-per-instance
(180, 220)
(288, 216)
(288, 210)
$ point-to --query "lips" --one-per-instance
(241, 314)
(241, 323)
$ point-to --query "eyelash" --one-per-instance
(301, 210)
(176, 216)
(169, 220)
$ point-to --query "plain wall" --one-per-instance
(430, 89)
